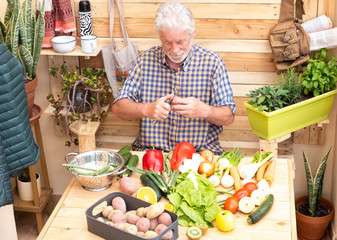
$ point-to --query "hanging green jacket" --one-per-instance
(19, 147)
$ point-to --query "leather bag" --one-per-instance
(289, 42)
(114, 57)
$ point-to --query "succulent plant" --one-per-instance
(315, 183)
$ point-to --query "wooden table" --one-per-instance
(68, 220)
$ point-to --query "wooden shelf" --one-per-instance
(78, 51)
(28, 206)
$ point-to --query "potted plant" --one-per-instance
(272, 107)
(85, 96)
(24, 185)
(313, 213)
(22, 32)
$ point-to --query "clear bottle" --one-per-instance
(85, 18)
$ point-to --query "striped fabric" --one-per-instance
(203, 75)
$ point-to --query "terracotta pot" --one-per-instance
(30, 91)
(313, 228)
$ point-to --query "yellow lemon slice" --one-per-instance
(146, 194)
(169, 207)
(246, 205)
(258, 196)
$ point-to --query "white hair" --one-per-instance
(174, 15)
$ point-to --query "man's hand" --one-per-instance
(160, 109)
(190, 107)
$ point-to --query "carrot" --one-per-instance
(269, 174)
(261, 171)
(234, 172)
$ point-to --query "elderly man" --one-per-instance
(179, 90)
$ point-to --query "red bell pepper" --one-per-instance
(182, 151)
(153, 159)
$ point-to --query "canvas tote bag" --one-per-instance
(112, 57)
(289, 42)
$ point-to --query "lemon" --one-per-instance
(225, 221)
(146, 194)
(246, 204)
(258, 196)
(169, 207)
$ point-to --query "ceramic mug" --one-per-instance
(89, 43)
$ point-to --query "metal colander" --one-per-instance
(95, 159)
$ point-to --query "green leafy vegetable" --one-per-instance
(193, 199)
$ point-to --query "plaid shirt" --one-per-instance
(202, 75)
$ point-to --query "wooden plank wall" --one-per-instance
(236, 29)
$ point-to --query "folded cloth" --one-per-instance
(59, 20)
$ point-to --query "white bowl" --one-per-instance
(63, 44)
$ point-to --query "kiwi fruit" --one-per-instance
(203, 227)
(194, 233)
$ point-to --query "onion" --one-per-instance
(227, 181)
(215, 180)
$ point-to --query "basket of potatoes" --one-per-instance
(122, 216)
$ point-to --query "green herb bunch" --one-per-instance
(320, 75)
(273, 97)
(269, 98)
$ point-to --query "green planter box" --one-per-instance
(286, 120)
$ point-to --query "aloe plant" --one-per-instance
(22, 32)
(315, 184)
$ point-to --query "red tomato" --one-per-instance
(231, 204)
(250, 186)
(242, 192)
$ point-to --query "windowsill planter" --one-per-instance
(291, 118)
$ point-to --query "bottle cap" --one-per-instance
(84, 6)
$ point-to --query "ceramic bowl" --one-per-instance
(95, 159)
(63, 44)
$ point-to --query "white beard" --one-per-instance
(178, 58)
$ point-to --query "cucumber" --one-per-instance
(124, 150)
(146, 180)
(126, 157)
(133, 161)
(262, 210)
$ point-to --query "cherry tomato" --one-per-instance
(242, 192)
(250, 186)
(231, 204)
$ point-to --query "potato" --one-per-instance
(107, 210)
(165, 219)
(155, 210)
(132, 218)
(118, 217)
(160, 228)
(120, 225)
(140, 234)
(131, 211)
(143, 224)
(131, 229)
(127, 185)
(119, 204)
(150, 234)
(142, 211)
(153, 223)
(113, 212)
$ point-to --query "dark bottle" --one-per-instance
(85, 18)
